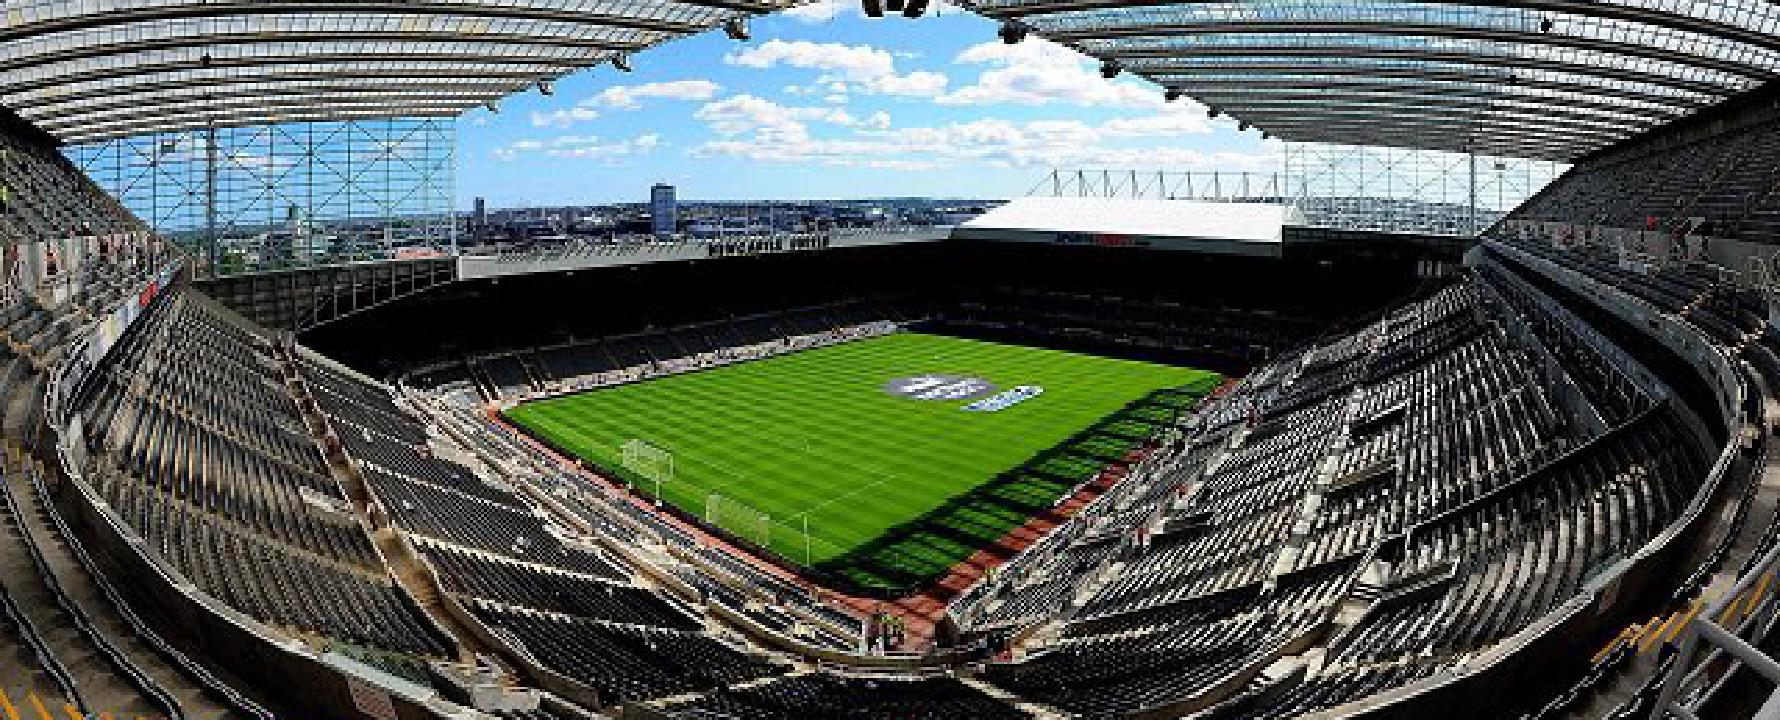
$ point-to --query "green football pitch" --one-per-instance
(894, 490)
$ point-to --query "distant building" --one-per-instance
(479, 220)
(664, 212)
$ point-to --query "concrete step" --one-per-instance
(193, 698)
(97, 679)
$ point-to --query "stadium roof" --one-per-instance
(1541, 78)
(1552, 79)
(95, 69)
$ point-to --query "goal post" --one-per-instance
(739, 519)
(649, 461)
(788, 538)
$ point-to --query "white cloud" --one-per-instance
(992, 142)
(582, 147)
(626, 97)
(564, 117)
(1040, 72)
(845, 67)
(817, 12)
(742, 114)
(1177, 122)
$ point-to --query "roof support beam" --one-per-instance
(558, 65)
(1568, 95)
(1410, 132)
(108, 50)
(1262, 71)
(1171, 63)
(386, 97)
(1395, 30)
(239, 121)
(1432, 139)
(1238, 102)
(50, 112)
(101, 16)
(516, 78)
(1586, 8)
(1392, 119)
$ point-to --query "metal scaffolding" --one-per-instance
(1349, 187)
(275, 197)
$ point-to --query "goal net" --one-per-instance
(788, 537)
(740, 519)
(648, 461)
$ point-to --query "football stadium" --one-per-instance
(1002, 359)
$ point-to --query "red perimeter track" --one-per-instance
(921, 610)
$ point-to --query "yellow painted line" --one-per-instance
(42, 711)
(12, 713)
(1692, 612)
(73, 712)
(1755, 598)
(1656, 632)
(1629, 634)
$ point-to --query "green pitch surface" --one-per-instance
(895, 489)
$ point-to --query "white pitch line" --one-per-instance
(843, 496)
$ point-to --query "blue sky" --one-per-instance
(824, 103)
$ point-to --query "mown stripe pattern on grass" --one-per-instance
(814, 434)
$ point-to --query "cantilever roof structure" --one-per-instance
(98, 69)
(1551, 79)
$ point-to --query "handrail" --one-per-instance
(159, 695)
(40, 647)
(230, 695)
(56, 394)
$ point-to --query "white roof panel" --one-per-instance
(1241, 228)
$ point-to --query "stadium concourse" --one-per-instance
(1531, 481)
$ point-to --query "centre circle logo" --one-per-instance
(939, 387)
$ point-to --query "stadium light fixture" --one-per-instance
(914, 8)
(1172, 94)
(622, 62)
(893, 5)
(546, 88)
(1012, 33)
(872, 8)
(1110, 69)
(737, 29)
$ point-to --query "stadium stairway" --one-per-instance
(410, 575)
(1752, 538)
(1037, 711)
(195, 689)
(28, 674)
(43, 579)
